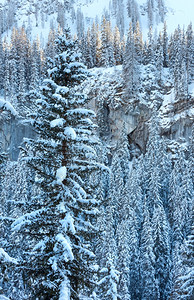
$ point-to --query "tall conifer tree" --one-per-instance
(58, 259)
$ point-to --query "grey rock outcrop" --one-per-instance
(115, 112)
(12, 131)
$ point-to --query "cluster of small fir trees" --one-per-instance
(22, 66)
(146, 232)
(156, 54)
(103, 46)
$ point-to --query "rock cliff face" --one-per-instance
(12, 132)
(177, 119)
(114, 114)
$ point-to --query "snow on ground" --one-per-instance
(94, 8)
(109, 71)
(167, 115)
(168, 99)
(179, 12)
(42, 30)
(167, 121)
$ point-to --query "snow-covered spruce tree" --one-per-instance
(159, 58)
(130, 66)
(2, 65)
(165, 46)
(138, 42)
(184, 282)
(107, 58)
(6, 73)
(116, 188)
(6, 194)
(6, 261)
(100, 184)
(128, 252)
(134, 190)
(117, 46)
(108, 284)
(57, 263)
(3, 159)
(107, 247)
(151, 183)
(133, 13)
(123, 235)
(150, 12)
(180, 199)
(183, 269)
(14, 198)
(87, 50)
(149, 284)
(190, 52)
(161, 251)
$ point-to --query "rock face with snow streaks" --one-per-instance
(12, 132)
(115, 112)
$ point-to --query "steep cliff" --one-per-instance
(114, 113)
(13, 129)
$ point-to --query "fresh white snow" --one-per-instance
(64, 291)
(56, 123)
(3, 298)
(4, 257)
(61, 174)
(191, 89)
(179, 12)
(69, 132)
(68, 222)
(6, 105)
(67, 251)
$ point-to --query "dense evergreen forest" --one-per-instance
(88, 211)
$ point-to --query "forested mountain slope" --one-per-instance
(96, 150)
(39, 17)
